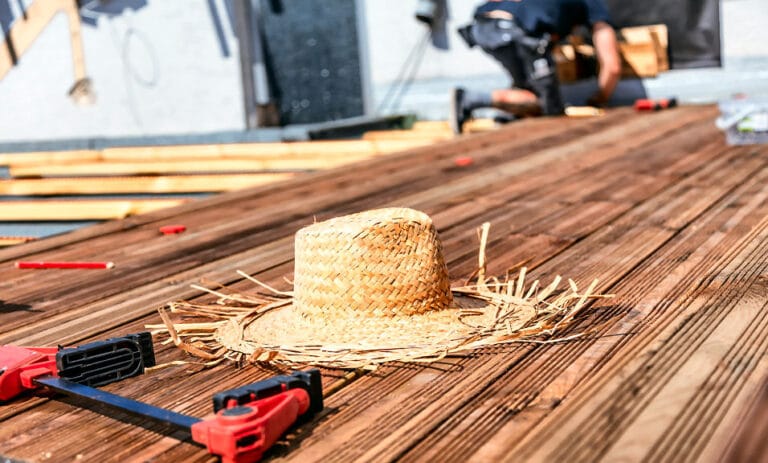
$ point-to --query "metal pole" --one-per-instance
(268, 114)
(365, 64)
(261, 81)
(242, 14)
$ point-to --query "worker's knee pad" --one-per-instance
(543, 81)
(547, 88)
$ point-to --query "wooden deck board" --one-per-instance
(669, 219)
(135, 185)
(81, 209)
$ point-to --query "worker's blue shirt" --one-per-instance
(552, 16)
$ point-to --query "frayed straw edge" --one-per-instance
(509, 294)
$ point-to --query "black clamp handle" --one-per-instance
(309, 380)
(103, 362)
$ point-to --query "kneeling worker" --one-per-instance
(520, 34)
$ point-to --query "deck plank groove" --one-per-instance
(656, 206)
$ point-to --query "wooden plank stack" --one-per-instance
(180, 169)
(643, 51)
(655, 205)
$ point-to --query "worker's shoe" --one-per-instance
(504, 118)
(460, 112)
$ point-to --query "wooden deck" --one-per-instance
(655, 205)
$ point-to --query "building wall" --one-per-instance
(744, 28)
(157, 67)
(393, 33)
(162, 67)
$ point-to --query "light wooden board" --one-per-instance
(13, 240)
(431, 126)
(180, 166)
(471, 126)
(26, 29)
(312, 151)
(80, 209)
(136, 185)
(417, 135)
(667, 217)
(49, 157)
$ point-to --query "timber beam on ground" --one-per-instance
(296, 151)
(80, 209)
(136, 185)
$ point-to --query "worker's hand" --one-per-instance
(607, 49)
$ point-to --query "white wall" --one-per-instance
(182, 81)
(393, 32)
(744, 27)
(186, 85)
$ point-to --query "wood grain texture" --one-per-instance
(667, 217)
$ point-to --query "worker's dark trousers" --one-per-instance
(534, 71)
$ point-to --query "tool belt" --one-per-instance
(527, 58)
(493, 33)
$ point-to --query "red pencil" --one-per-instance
(172, 229)
(87, 265)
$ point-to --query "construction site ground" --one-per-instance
(669, 219)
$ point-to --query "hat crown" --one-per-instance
(379, 263)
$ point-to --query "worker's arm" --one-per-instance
(607, 49)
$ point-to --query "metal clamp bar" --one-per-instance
(139, 409)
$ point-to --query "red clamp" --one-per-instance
(243, 433)
(655, 105)
(94, 364)
(19, 366)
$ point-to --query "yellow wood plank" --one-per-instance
(472, 125)
(48, 157)
(431, 136)
(180, 166)
(431, 125)
(76, 209)
(75, 39)
(480, 125)
(241, 150)
(296, 150)
(639, 59)
(341, 147)
(583, 111)
(123, 185)
(26, 28)
(644, 50)
(14, 240)
(151, 153)
(394, 146)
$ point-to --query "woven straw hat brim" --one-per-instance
(272, 329)
(334, 328)
(360, 339)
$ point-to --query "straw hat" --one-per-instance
(373, 287)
